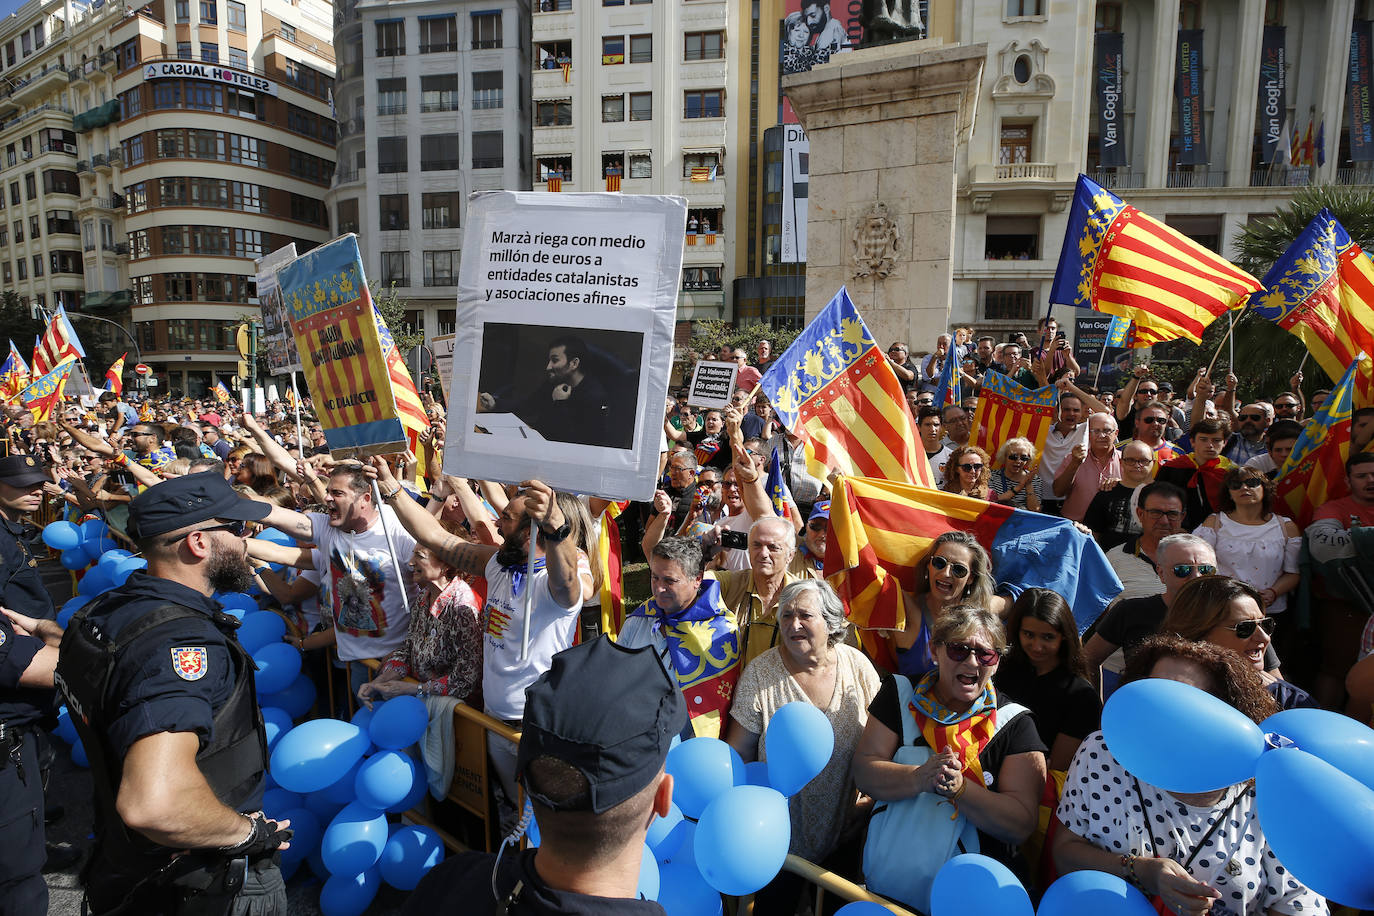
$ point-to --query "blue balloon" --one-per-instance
(1302, 802)
(93, 530)
(306, 836)
(276, 722)
(94, 582)
(660, 828)
(73, 559)
(64, 616)
(118, 554)
(975, 885)
(260, 628)
(341, 791)
(703, 768)
(399, 722)
(756, 774)
(296, 699)
(408, 855)
(799, 740)
(349, 895)
(353, 841)
(679, 845)
(742, 839)
(278, 665)
(683, 892)
(416, 794)
(66, 728)
(322, 805)
(863, 908)
(316, 753)
(385, 778)
(1345, 743)
(1093, 893)
(532, 832)
(276, 536)
(275, 802)
(121, 569)
(1138, 713)
(648, 875)
(363, 719)
(316, 863)
(79, 755)
(61, 535)
(104, 545)
(238, 600)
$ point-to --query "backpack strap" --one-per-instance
(905, 691)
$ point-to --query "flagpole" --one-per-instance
(529, 591)
(300, 439)
(1229, 330)
(390, 545)
(1306, 353)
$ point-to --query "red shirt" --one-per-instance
(1342, 509)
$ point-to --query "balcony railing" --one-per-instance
(82, 166)
(1187, 178)
(1285, 177)
(392, 109)
(1019, 171)
(100, 161)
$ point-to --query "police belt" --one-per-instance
(11, 740)
(203, 882)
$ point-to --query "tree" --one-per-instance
(712, 333)
(393, 309)
(18, 321)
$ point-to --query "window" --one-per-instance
(1008, 305)
(487, 90)
(171, 191)
(395, 268)
(184, 50)
(238, 58)
(1012, 238)
(346, 218)
(22, 266)
(438, 34)
(391, 96)
(308, 210)
(439, 152)
(9, 275)
(136, 197)
(133, 150)
(238, 15)
(703, 103)
(391, 38)
(641, 106)
(209, 53)
(695, 162)
(488, 149)
(167, 94)
(37, 266)
(34, 226)
(1019, 8)
(554, 6)
(613, 49)
(183, 10)
(486, 30)
(244, 149)
(439, 267)
(550, 55)
(394, 210)
(30, 186)
(128, 54)
(641, 165)
(204, 96)
(130, 103)
(612, 2)
(701, 278)
(1190, 14)
(553, 113)
(209, 11)
(9, 53)
(641, 49)
(612, 108)
(14, 193)
(553, 166)
(703, 46)
(288, 31)
(1015, 145)
(391, 155)
(440, 210)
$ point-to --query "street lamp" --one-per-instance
(138, 355)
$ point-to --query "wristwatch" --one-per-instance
(557, 535)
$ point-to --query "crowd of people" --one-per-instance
(395, 578)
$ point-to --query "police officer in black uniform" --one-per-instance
(596, 733)
(24, 700)
(162, 696)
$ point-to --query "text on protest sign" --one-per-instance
(712, 384)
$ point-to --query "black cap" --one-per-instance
(610, 713)
(22, 471)
(184, 501)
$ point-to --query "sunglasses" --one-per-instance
(236, 528)
(1254, 483)
(1252, 416)
(970, 467)
(1147, 391)
(957, 570)
(1285, 406)
(958, 653)
(1184, 570)
(818, 525)
(1154, 420)
(1246, 628)
(1017, 458)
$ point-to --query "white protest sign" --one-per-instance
(712, 383)
(277, 340)
(566, 305)
(443, 359)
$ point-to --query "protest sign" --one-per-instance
(566, 304)
(277, 342)
(712, 383)
(330, 310)
(443, 359)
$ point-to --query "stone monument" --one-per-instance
(884, 123)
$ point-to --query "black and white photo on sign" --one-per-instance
(712, 384)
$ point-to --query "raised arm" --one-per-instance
(88, 441)
(425, 528)
(1091, 404)
(1123, 403)
(280, 458)
(480, 521)
(561, 558)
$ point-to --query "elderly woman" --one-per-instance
(1015, 482)
(1226, 612)
(1252, 542)
(809, 665)
(987, 792)
(967, 471)
(1193, 853)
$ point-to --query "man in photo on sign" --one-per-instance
(572, 404)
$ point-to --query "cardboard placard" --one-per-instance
(712, 383)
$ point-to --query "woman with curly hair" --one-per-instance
(967, 471)
(1016, 481)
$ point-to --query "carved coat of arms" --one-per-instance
(875, 242)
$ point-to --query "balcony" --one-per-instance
(45, 108)
(385, 110)
(99, 116)
(121, 249)
(1024, 171)
(31, 88)
(352, 127)
(82, 166)
(988, 179)
(100, 162)
(114, 202)
(1188, 178)
(345, 176)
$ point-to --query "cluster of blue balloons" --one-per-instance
(87, 543)
(336, 781)
(1313, 772)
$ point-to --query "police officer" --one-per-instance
(596, 733)
(162, 696)
(26, 696)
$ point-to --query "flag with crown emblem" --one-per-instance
(59, 342)
(222, 393)
(1007, 410)
(43, 396)
(13, 379)
(1315, 470)
(776, 486)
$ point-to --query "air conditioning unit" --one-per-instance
(69, 148)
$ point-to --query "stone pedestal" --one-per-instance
(884, 123)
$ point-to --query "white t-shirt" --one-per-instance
(358, 585)
(937, 464)
(734, 557)
(1057, 448)
(552, 628)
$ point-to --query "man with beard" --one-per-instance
(162, 696)
(809, 560)
(573, 405)
(1248, 440)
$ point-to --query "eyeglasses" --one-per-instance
(1285, 406)
(680, 467)
(957, 570)
(1246, 628)
(1172, 515)
(1153, 420)
(1022, 458)
(1138, 462)
(958, 653)
(1103, 432)
(1254, 483)
(1184, 570)
(1252, 416)
(818, 525)
(729, 485)
(971, 468)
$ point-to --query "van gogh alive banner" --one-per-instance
(1361, 129)
(1273, 91)
(1192, 139)
(1111, 139)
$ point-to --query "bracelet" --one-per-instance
(252, 828)
(1128, 866)
(963, 784)
(387, 497)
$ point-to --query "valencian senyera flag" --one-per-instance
(115, 375)
(1322, 291)
(1007, 410)
(24, 375)
(1121, 261)
(1122, 332)
(13, 379)
(43, 396)
(704, 652)
(948, 390)
(335, 328)
(1315, 470)
(880, 531)
(222, 393)
(59, 342)
(608, 558)
(835, 390)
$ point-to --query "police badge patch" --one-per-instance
(190, 662)
(3, 637)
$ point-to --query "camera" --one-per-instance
(736, 540)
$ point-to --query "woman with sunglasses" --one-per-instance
(1226, 612)
(1015, 482)
(967, 471)
(907, 758)
(1252, 542)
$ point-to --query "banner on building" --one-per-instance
(1273, 93)
(811, 33)
(1111, 137)
(1192, 136)
(277, 342)
(1359, 88)
(796, 183)
(564, 342)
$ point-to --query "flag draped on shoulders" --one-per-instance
(836, 391)
(1207, 475)
(115, 375)
(44, 394)
(1315, 470)
(59, 342)
(1322, 291)
(1007, 410)
(1123, 262)
(880, 531)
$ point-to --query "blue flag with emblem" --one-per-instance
(949, 391)
(776, 485)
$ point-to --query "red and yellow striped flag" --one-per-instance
(115, 375)
(59, 342)
(567, 71)
(554, 182)
(613, 182)
(1315, 470)
(1120, 261)
(1007, 410)
(609, 563)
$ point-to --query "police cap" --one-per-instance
(184, 501)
